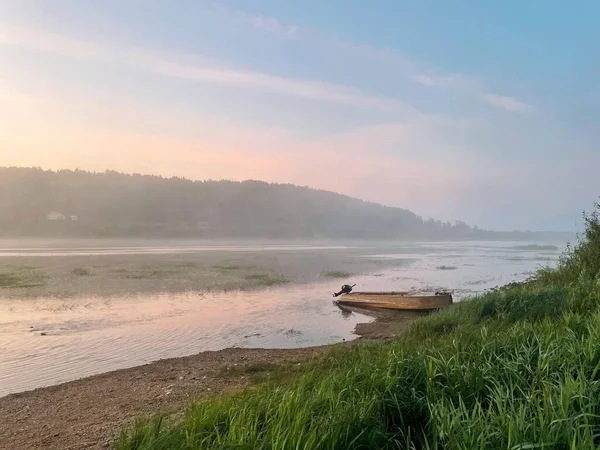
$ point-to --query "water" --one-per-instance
(158, 250)
(46, 341)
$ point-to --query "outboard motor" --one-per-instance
(346, 289)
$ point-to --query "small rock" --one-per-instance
(43, 334)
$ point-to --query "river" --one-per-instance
(45, 341)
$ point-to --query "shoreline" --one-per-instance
(89, 412)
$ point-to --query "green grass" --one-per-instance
(158, 271)
(535, 247)
(21, 277)
(337, 274)
(81, 272)
(146, 273)
(517, 368)
(265, 372)
(266, 280)
(184, 265)
(232, 267)
(446, 268)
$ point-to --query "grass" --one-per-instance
(535, 247)
(21, 277)
(146, 273)
(337, 274)
(81, 272)
(156, 271)
(446, 268)
(517, 368)
(266, 280)
(227, 267)
(265, 372)
(184, 265)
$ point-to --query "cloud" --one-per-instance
(269, 24)
(508, 103)
(200, 146)
(385, 59)
(309, 89)
(435, 80)
(50, 43)
(202, 70)
(422, 162)
(371, 61)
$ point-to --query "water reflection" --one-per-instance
(44, 341)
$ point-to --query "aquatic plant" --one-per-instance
(81, 272)
(266, 280)
(337, 274)
(446, 267)
(21, 277)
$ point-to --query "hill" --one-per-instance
(35, 202)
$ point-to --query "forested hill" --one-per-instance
(34, 202)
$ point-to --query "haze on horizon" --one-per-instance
(487, 113)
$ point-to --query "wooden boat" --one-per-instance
(396, 300)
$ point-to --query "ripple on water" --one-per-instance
(85, 336)
(68, 341)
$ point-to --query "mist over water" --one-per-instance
(44, 341)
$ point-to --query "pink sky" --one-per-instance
(234, 95)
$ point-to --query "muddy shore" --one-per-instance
(89, 413)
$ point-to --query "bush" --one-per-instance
(581, 261)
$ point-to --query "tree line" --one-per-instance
(112, 204)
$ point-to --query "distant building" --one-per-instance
(56, 216)
(203, 225)
(74, 218)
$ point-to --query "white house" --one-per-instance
(56, 216)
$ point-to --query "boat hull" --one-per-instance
(396, 300)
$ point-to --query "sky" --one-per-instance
(481, 111)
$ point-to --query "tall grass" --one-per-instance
(581, 262)
(518, 368)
